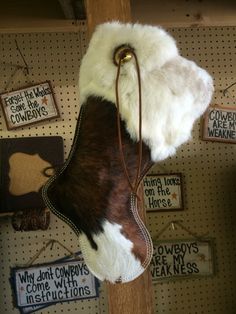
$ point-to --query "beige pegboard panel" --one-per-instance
(55, 57)
(50, 56)
(209, 172)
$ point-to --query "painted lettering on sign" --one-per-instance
(29, 105)
(54, 283)
(163, 192)
(181, 259)
(220, 124)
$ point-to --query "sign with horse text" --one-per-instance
(181, 259)
(52, 283)
(220, 124)
(163, 192)
(29, 105)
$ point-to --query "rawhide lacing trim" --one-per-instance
(138, 271)
(54, 177)
(143, 229)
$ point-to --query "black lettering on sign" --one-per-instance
(220, 124)
(163, 192)
(181, 258)
(54, 283)
(29, 105)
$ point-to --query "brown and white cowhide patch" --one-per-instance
(93, 196)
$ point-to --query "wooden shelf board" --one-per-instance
(181, 13)
(47, 16)
(38, 25)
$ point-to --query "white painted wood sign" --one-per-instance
(163, 192)
(181, 259)
(29, 105)
(220, 124)
(51, 283)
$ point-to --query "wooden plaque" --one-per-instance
(176, 259)
(220, 124)
(29, 105)
(163, 192)
(52, 283)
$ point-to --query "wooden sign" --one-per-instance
(46, 284)
(181, 259)
(220, 124)
(163, 192)
(22, 165)
(29, 105)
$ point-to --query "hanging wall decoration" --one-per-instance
(22, 164)
(39, 286)
(163, 192)
(137, 106)
(220, 124)
(182, 258)
(29, 105)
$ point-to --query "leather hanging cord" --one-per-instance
(133, 186)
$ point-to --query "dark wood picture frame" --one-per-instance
(219, 124)
(163, 192)
(29, 105)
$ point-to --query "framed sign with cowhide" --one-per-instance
(22, 165)
(29, 105)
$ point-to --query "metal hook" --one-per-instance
(224, 91)
(123, 53)
(26, 67)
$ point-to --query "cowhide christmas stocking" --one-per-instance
(139, 101)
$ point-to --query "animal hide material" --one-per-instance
(91, 192)
(93, 195)
(175, 91)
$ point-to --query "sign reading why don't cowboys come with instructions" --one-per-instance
(220, 124)
(52, 283)
(29, 105)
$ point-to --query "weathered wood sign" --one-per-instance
(163, 192)
(181, 259)
(220, 124)
(29, 105)
(51, 283)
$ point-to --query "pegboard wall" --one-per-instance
(55, 57)
(208, 170)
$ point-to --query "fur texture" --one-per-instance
(91, 192)
(175, 91)
(92, 195)
(113, 260)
